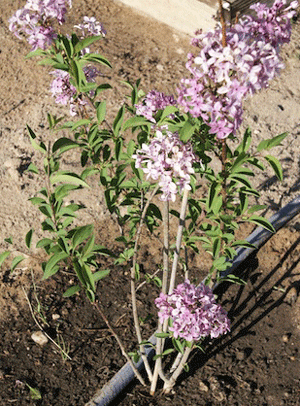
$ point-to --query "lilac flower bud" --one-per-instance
(193, 311)
(168, 160)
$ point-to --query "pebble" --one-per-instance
(203, 387)
(292, 295)
(240, 355)
(285, 338)
(39, 338)
(159, 67)
(55, 316)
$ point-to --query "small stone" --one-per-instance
(39, 338)
(55, 316)
(292, 358)
(159, 67)
(203, 387)
(292, 295)
(285, 338)
(240, 355)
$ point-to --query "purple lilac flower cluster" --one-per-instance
(193, 311)
(223, 76)
(65, 93)
(168, 159)
(34, 18)
(153, 102)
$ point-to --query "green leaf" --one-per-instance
(80, 123)
(86, 42)
(72, 290)
(262, 222)
(51, 268)
(273, 142)
(162, 335)
(99, 89)
(28, 238)
(100, 274)
(101, 111)
(257, 207)
(167, 352)
(37, 52)
(64, 144)
(32, 168)
(9, 240)
(275, 164)
(68, 46)
(243, 243)
(3, 257)
(234, 279)
(62, 191)
(241, 178)
(35, 394)
(67, 177)
(187, 131)
(15, 262)
(81, 234)
(167, 112)
(178, 345)
(136, 121)
(38, 147)
(44, 242)
(118, 121)
(247, 138)
(96, 58)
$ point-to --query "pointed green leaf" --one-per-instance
(72, 290)
(275, 164)
(101, 112)
(262, 222)
(67, 177)
(15, 262)
(51, 268)
(39, 147)
(64, 144)
(100, 274)
(3, 256)
(28, 238)
(32, 168)
(81, 234)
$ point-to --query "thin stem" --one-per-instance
(171, 382)
(160, 341)
(124, 353)
(133, 289)
(166, 247)
(178, 239)
(223, 23)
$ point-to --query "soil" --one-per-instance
(258, 362)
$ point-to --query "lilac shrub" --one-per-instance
(222, 77)
(193, 312)
(175, 139)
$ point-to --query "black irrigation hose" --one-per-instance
(118, 383)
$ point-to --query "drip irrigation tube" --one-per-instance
(118, 383)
